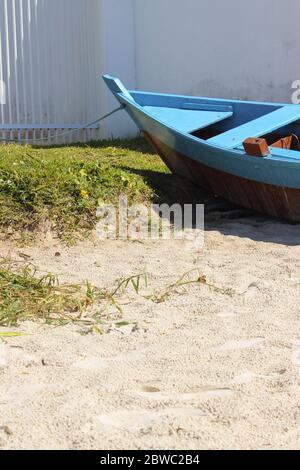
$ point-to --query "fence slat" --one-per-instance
(45, 64)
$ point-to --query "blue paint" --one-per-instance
(116, 86)
(279, 168)
(258, 127)
(186, 120)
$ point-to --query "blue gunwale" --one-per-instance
(134, 94)
(280, 168)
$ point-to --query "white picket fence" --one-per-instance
(49, 69)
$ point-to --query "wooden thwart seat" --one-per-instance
(188, 120)
(258, 127)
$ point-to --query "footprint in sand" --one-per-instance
(204, 393)
(138, 421)
(240, 344)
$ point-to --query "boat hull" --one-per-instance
(277, 201)
(219, 164)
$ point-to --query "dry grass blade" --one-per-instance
(110, 297)
(184, 281)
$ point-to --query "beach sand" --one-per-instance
(205, 369)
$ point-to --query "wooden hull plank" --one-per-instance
(276, 201)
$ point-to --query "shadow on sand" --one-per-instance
(220, 215)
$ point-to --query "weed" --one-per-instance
(24, 295)
(185, 280)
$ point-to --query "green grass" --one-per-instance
(26, 295)
(63, 185)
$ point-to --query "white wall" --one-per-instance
(233, 48)
(117, 57)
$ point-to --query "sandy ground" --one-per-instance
(202, 370)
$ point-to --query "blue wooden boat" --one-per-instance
(207, 141)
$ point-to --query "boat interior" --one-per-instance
(227, 124)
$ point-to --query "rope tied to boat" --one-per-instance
(68, 132)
